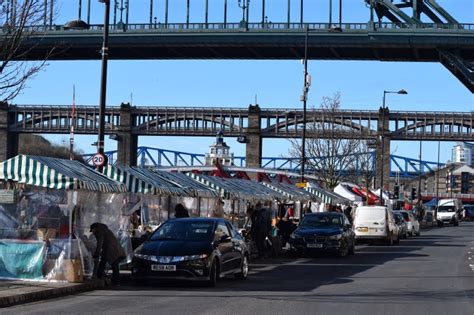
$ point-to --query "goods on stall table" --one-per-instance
(68, 270)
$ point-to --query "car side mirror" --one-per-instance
(224, 239)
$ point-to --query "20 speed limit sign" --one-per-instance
(98, 159)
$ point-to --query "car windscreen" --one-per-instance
(405, 215)
(446, 209)
(321, 221)
(184, 230)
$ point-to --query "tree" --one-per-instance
(332, 158)
(16, 19)
(37, 145)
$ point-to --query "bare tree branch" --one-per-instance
(333, 159)
(16, 19)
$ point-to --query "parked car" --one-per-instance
(468, 212)
(375, 223)
(324, 232)
(413, 226)
(192, 249)
(449, 212)
(402, 225)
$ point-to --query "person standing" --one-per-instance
(108, 249)
(180, 211)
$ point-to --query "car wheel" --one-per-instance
(213, 274)
(244, 269)
(344, 249)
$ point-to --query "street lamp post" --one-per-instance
(402, 91)
(304, 99)
(244, 5)
(103, 81)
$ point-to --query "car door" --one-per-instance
(237, 246)
(223, 240)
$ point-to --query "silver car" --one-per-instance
(413, 226)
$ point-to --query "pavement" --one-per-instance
(19, 292)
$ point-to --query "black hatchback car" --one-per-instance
(192, 249)
(324, 231)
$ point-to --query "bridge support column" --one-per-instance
(253, 154)
(8, 140)
(383, 149)
(127, 143)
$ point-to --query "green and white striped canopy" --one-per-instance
(190, 185)
(142, 180)
(290, 191)
(233, 188)
(56, 173)
(327, 196)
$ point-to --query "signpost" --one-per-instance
(98, 160)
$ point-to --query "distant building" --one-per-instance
(460, 180)
(463, 153)
(219, 151)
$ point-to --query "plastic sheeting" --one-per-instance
(47, 231)
(21, 259)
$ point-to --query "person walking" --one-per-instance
(108, 250)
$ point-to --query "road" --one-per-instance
(430, 274)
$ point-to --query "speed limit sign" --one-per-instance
(98, 159)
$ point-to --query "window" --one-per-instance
(221, 230)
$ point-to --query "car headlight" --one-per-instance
(295, 236)
(146, 257)
(335, 237)
(190, 257)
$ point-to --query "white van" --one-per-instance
(375, 223)
(449, 211)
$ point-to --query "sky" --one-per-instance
(237, 83)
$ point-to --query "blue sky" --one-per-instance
(235, 83)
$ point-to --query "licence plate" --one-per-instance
(363, 229)
(314, 245)
(163, 267)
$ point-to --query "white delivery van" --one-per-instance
(449, 211)
(375, 223)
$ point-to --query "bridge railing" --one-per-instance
(336, 27)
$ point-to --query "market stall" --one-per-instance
(47, 207)
(200, 199)
(238, 194)
(327, 197)
(348, 190)
(296, 198)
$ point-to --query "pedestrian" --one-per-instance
(180, 211)
(348, 213)
(108, 249)
(263, 226)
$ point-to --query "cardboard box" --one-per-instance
(69, 270)
(46, 234)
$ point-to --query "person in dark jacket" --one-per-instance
(180, 211)
(108, 249)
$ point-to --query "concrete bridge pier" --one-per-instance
(127, 143)
(8, 140)
(253, 150)
(383, 130)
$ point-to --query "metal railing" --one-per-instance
(265, 26)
